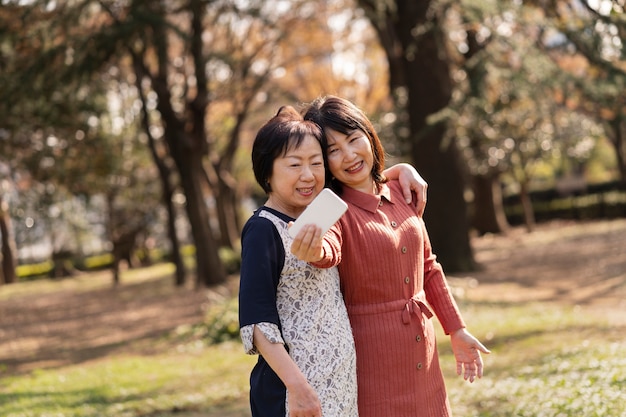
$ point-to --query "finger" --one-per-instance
(314, 234)
(459, 368)
(479, 366)
(309, 235)
(296, 244)
(470, 370)
(470, 367)
(420, 195)
(301, 242)
(307, 240)
(408, 196)
(407, 192)
(421, 206)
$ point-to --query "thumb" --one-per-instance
(482, 347)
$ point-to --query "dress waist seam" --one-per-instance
(386, 307)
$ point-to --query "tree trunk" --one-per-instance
(63, 266)
(227, 211)
(619, 143)
(487, 210)
(167, 191)
(8, 246)
(180, 276)
(185, 134)
(446, 214)
(228, 203)
(209, 267)
(187, 152)
(527, 207)
(488, 216)
(418, 64)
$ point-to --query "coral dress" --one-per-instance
(392, 284)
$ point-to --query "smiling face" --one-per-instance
(356, 157)
(297, 177)
(350, 159)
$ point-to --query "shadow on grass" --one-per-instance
(71, 327)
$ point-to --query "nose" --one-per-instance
(307, 173)
(349, 154)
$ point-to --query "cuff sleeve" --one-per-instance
(269, 330)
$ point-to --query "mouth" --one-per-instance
(306, 191)
(355, 167)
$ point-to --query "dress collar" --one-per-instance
(366, 201)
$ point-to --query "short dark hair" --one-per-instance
(286, 130)
(343, 116)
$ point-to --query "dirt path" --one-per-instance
(75, 324)
(565, 262)
(577, 263)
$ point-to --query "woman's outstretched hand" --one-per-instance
(467, 348)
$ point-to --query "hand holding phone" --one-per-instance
(323, 211)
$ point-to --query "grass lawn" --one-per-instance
(546, 360)
(81, 349)
(185, 378)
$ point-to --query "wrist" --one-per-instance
(458, 331)
(295, 381)
(321, 254)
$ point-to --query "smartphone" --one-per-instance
(323, 211)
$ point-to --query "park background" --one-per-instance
(125, 178)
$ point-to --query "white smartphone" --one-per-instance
(323, 211)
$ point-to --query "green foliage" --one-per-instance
(132, 386)
(546, 360)
(220, 324)
(34, 270)
(606, 204)
(222, 321)
(99, 261)
(231, 259)
(569, 382)
(527, 105)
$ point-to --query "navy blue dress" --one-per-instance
(257, 300)
(300, 306)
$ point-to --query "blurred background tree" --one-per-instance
(126, 126)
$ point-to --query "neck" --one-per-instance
(289, 211)
(368, 187)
